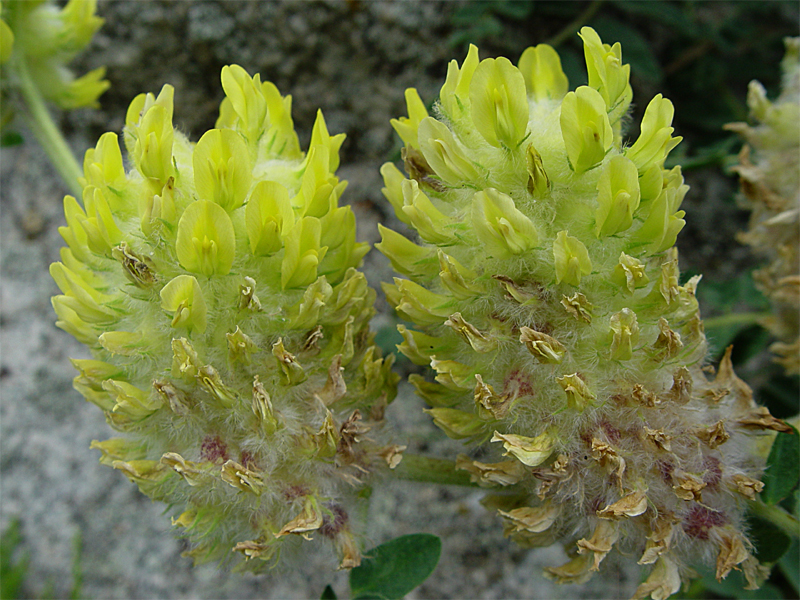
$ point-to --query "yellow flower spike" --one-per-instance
(222, 171)
(159, 209)
(129, 400)
(268, 216)
(456, 278)
(571, 259)
(406, 257)
(393, 191)
(87, 302)
(69, 321)
(500, 226)
(624, 333)
(74, 234)
(607, 74)
(655, 141)
(281, 139)
(247, 100)
(421, 305)
(123, 343)
(499, 103)
(544, 78)
(316, 195)
(206, 242)
(445, 154)
(418, 347)
(79, 24)
(84, 90)
(618, 197)
(321, 137)
(303, 253)
(661, 228)
(629, 274)
(431, 224)
(339, 236)
(101, 229)
(118, 449)
(454, 95)
(183, 297)
(102, 165)
(579, 396)
(530, 451)
(585, 127)
(6, 42)
(152, 152)
(406, 127)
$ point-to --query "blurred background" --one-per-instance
(73, 528)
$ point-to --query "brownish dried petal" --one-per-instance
(659, 437)
(578, 570)
(760, 418)
(632, 505)
(507, 472)
(605, 535)
(731, 552)
(392, 454)
(689, 486)
(659, 540)
(663, 581)
(713, 435)
(747, 486)
(529, 519)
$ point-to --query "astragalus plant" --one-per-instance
(216, 286)
(543, 286)
(770, 183)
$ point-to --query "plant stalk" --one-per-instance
(745, 318)
(47, 132)
(777, 516)
(575, 25)
(426, 469)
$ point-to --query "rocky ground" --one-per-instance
(353, 59)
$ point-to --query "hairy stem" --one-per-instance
(44, 128)
(777, 516)
(431, 470)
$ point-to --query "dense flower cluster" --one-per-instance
(40, 38)
(770, 182)
(216, 286)
(547, 301)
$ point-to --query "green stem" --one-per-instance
(44, 128)
(777, 516)
(746, 318)
(431, 470)
(575, 24)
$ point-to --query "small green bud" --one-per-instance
(571, 259)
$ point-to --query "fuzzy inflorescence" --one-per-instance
(547, 300)
(216, 285)
(40, 38)
(770, 183)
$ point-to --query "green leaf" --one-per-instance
(783, 468)
(666, 13)
(328, 593)
(733, 587)
(392, 570)
(789, 562)
(10, 138)
(769, 541)
(13, 564)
